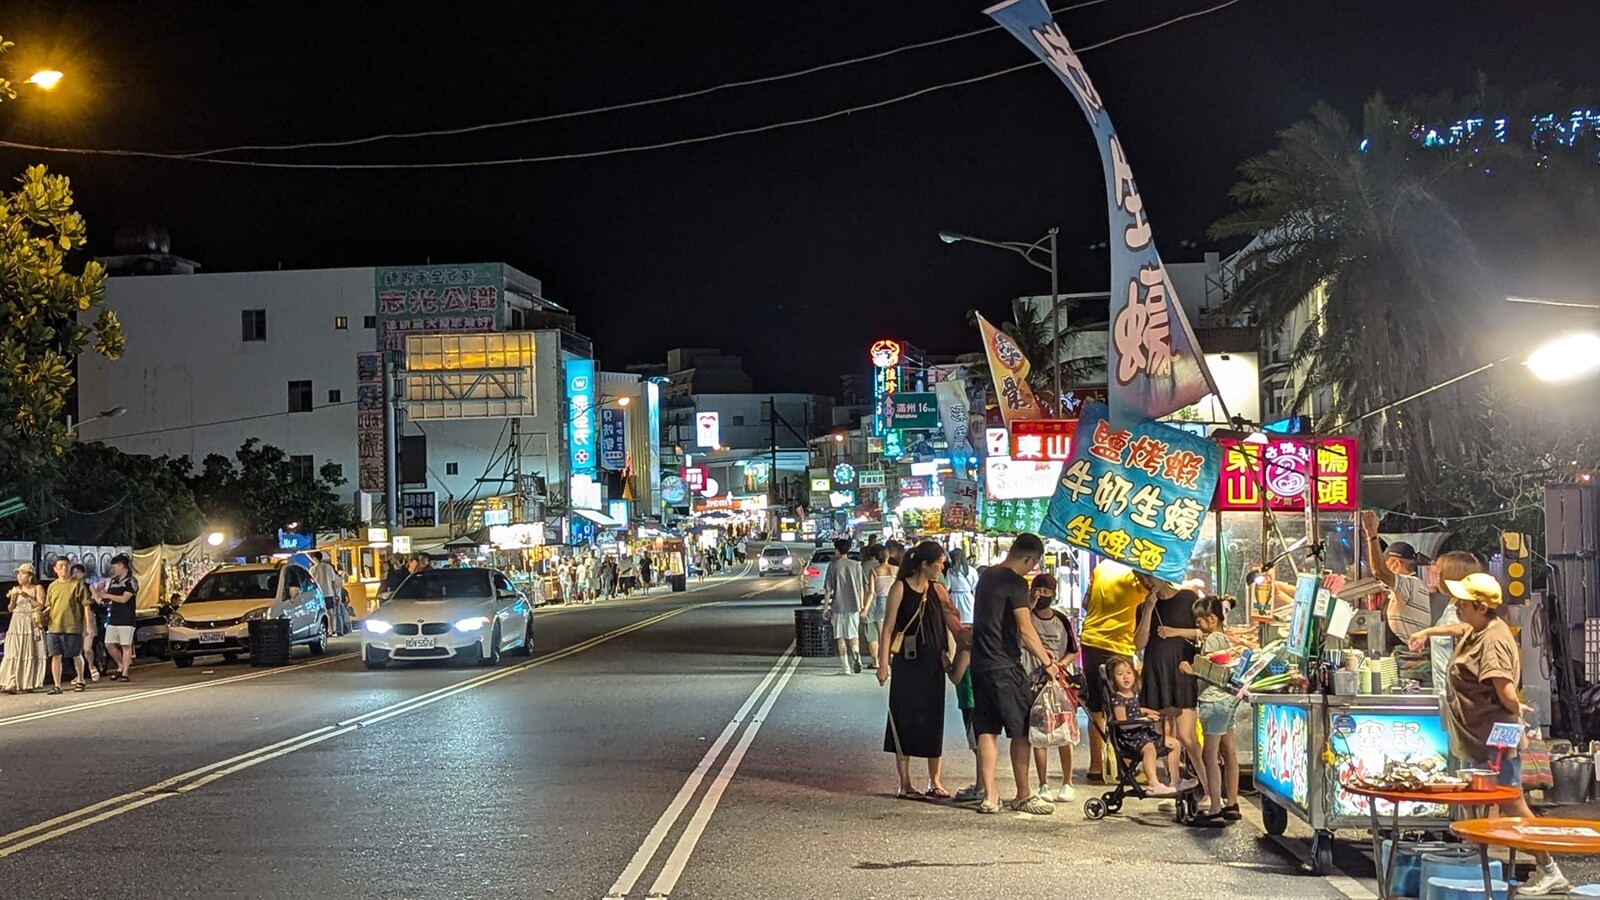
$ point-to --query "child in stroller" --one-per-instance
(1136, 740)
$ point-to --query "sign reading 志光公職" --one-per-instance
(583, 447)
(1137, 495)
(436, 300)
(371, 463)
(1154, 362)
(1043, 440)
(1282, 469)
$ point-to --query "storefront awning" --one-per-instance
(599, 518)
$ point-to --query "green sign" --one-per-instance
(913, 411)
(1011, 516)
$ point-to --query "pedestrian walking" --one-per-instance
(911, 659)
(1002, 628)
(646, 570)
(628, 572)
(1167, 689)
(22, 668)
(87, 663)
(122, 593)
(1056, 633)
(881, 577)
(67, 604)
(844, 590)
(960, 579)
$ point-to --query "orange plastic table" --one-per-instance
(1576, 837)
(1470, 799)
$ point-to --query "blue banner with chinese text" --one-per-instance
(1137, 495)
(1154, 363)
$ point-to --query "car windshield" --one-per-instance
(445, 584)
(256, 584)
(775, 552)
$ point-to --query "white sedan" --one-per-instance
(460, 615)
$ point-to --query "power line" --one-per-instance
(194, 425)
(592, 154)
(614, 107)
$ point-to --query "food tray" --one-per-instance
(1444, 787)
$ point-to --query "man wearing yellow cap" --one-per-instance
(1484, 676)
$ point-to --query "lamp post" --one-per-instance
(112, 413)
(1047, 246)
(45, 79)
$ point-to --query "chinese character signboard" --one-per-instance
(1280, 470)
(419, 509)
(910, 411)
(916, 486)
(613, 440)
(1012, 516)
(960, 504)
(870, 478)
(436, 300)
(583, 445)
(1010, 370)
(695, 478)
(1137, 495)
(953, 414)
(370, 461)
(1153, 361)
(1043, 440)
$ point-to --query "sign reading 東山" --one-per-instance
(1136, 495)
(1282, 467)
(870, 478)
(960, 503)
(583, 447)
(708, 429)
(695, 478)
(370, 462)
(1043, 440)
(613, 439)
(913, 410)
(844, 473)
(419, 509)
(436, 300)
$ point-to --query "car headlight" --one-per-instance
(376, 626)
(472, 623)
(254, 614)
(788, 560)
(175, 620)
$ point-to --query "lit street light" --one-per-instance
(45, 79)
(111, 413)
(1047, 246)
(1566, 358)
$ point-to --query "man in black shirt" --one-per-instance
(122, 592)
(1002, 627)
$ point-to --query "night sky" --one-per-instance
(794, 248)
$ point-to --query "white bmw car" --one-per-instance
(460, 615)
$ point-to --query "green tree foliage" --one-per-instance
(258, 492)
(97, 494)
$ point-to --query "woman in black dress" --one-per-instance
(1162, 626)
(915, 615)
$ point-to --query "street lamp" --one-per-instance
(111, 413)
(1046, 246)
(45, 79)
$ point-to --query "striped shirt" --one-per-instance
(1409, 609)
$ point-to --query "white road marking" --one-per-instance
(652, 842)
(1351, 888)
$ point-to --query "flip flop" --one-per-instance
(912, 794)
(937, 793)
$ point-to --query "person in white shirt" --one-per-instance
(332, 587)
(844, 590)
(959, 580)
(1409, 609)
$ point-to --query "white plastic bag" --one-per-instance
(1053, 721)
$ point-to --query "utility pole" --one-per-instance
(391, 450)
(772, 473)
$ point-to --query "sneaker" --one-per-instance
(1188, 784)
(1545, 884)
(1044, 793)
(1033, 806)
(1065, 794)
(969, 794)
(844, 671)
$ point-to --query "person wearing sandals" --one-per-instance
(66, 605)
(22, 667)
(911, 659)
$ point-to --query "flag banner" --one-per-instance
(1154, 364)
(1137, 495)
(1010, 370)
(953, 414)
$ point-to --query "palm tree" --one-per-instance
(1358, 218)
(1030, 328)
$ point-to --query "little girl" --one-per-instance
(1138, 742)
(1216, 713)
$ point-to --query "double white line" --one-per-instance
(684, 848)
(194, 779)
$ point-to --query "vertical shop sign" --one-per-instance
(370, 462)
(960, 504)
(582, 444)
(613, 439)
(437, 300)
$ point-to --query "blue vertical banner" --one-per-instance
(582, 441)
(613, 439)
(1154, 363)
(1137, 495)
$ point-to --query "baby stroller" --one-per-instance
(1128, 785)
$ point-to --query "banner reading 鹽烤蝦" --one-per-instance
(1154, 365)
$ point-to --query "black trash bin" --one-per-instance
(269, 642)
(679, 583)
(813, 633)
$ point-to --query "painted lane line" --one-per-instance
(1352, 888)
(194, 779)
(163, 692)
(673, 870)
(658, 833)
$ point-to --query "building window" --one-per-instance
(335, 396)
(738, 420)
(253, 323)
(452, 468)
(369, 322)
(299, 396)
(341, 322)
(302, 468)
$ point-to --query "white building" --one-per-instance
(213, 360)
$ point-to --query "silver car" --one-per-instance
(775, 559)
(467, 616)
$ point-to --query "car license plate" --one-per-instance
(210, 637)
(419, 643)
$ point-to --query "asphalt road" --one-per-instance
(669, 745)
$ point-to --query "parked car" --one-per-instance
(816, 568)
(460, 615)
(214, 620)
(775, 559)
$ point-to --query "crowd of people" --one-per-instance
(72, 626)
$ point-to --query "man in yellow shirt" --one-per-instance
(65, 605)
(1110, 618)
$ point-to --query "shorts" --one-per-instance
(872, 630)
(1216, 717)
(1093, 689)
(1511, 772)
(121, 635)
(60, 643)
(1004, 698)
(845, 626)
